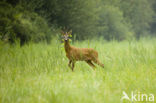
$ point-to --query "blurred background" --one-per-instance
(42, 20)
(33, 63)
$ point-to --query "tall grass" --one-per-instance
(38, 73)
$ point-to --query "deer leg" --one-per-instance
(69, 64)
(89, 62)
(73, 64)
(98, 62)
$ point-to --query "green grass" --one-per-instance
(38, 73)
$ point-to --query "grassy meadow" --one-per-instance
(39, 73)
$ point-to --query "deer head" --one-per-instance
(66, 35)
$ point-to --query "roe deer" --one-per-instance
(79, 54)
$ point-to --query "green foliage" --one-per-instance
(112, 24)
(111, 19)
(39, 72)
(78, 15)
(153, 24)
(21, 24)
(139, 14)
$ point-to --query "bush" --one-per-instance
(112, 24)
(17, 23)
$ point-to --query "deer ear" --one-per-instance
(70, 32)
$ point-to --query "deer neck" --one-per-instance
(67, 46)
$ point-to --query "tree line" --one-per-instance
(38, 20)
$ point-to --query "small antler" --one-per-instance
(70, 32)
(62, 32)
